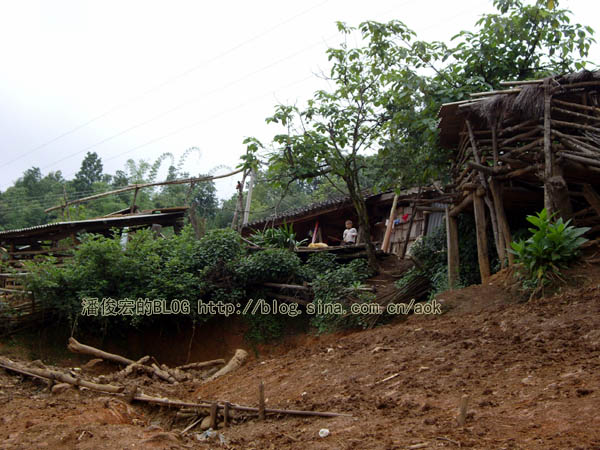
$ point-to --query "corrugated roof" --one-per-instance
(109, 221)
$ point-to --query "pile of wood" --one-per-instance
(210, 412)
(537, 139)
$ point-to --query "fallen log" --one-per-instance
(235, 362)
(59, 376)
(200, 365)
(140, 397)
(77, 347)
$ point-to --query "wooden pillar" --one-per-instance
(496, 189)
(135, 193)
(226, 414)
(388, 229)
(213, 415)
(548, 159)
(249, 198)
(452, 244)
(482, 242)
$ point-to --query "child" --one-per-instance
(350, 233)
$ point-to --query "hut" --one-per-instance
(534, 144)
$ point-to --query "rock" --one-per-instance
(61, 387)
(205, 424)
(528, 380)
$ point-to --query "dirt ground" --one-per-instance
(531, 371)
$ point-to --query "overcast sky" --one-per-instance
(135, 79)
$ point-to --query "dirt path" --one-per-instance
(531, 371)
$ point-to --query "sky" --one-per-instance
(138, 78)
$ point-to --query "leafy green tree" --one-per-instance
(89, 173)
(332, 135)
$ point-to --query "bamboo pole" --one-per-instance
(145, 185)
(390, 225)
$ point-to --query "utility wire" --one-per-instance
(164, 83)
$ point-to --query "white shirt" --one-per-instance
(350, 235)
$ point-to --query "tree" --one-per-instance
(520, 42)
(89, 173)
(338, 128)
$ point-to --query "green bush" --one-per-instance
(272, 264)
(551, 246)
(432, 254)
(341, 286)
(318, 264)
(282, 237)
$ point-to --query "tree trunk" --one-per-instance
(360, 205)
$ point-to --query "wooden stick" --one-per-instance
(58, 376)
(77, 347)
(482, 251)
(576, 114)
(200, 365)
(140, 186)
(213, 415)
(487, 93)
(461, 206)
(576, 106)
(575, 125)
(261, 401)
(390, 225)
(235, 362)
(548, 157)
(287, 286)
(452, 243)
(462, 410)
(226, 407)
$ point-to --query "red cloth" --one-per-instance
(405, 217)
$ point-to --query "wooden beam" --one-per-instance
(461, 206)
(452, 243)
(496, 190)
(140, 186)
(390, 225)
(482, 242)
(548, 157)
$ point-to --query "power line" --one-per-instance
(199, 122)
(184, 104)
(163, 84)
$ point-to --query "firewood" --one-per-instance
(200, 365)
(238, 359)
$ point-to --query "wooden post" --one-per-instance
(261, 401)
(66, 204)
(410, 224)
(548, 158)
(462, 410)
(388, 229)
(135, 193)
(502, 219)
(482, 242)
(248, 198)
(213, 415)
(452, 243)
(498, 238)
(226, 414)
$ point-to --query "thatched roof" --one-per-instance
(524, 100)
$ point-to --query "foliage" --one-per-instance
(551, 246)
(432, 255)
(273, 264)
(318, 264)
(281, 237)
(340, 286)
